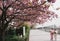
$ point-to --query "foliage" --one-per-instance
(27, 33)
(24, 11)
(14, 37)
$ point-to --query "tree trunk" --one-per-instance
(2, 35)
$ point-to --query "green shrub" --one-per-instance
(14, 37)
(27, 32)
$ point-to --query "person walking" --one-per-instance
(55, 34)
(51, 34)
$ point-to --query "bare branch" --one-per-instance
(6, 24)
(1, 9)
(8, 6)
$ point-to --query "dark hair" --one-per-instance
(54, 29)
(51, 28)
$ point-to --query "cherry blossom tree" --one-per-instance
(18, 11)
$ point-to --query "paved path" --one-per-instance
(39, 35)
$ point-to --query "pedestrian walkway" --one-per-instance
(39, 35)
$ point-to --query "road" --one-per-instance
(40, 35)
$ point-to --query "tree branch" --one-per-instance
(6, 24)
(11, 18)
(1, 9)
(8, 6)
